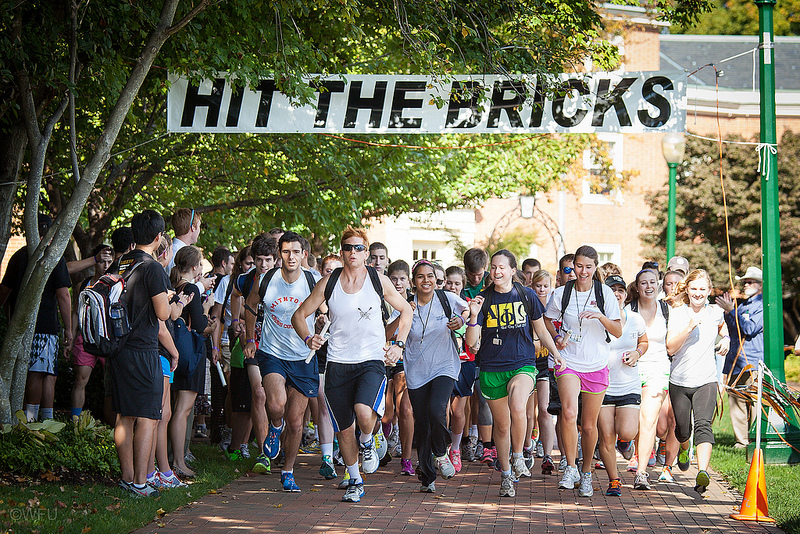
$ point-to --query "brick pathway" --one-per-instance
(468, 503)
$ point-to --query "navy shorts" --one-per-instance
(466, 379)
(241, 394)
(631, 399)
(348, 384)
(302, 376)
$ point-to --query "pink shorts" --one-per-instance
(81, 357)
(594, 382)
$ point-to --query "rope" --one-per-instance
(764, 159)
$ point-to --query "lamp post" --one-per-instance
(673, 146)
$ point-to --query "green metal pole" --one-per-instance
(673, 171)
(770, 214)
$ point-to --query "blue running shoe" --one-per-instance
(289, 485)
(355, 490)
(272, 445)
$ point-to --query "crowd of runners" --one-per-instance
(362, 360)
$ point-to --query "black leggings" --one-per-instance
(699, 402)
(430, 423)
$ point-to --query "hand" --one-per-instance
(694, 322)
(185, 298)
(589, 314)
(558, 361)
(723, 346)
(725, 302)
(215, 355)
(475, 306)
(319, 323)
(68, 343)
(315, 342)
(107, 254)
(170, 294)
(212, 323)
(173, 362)
(413, 305)
(207, 282)
(249, 350)
(455, 322)
(561, 342)
(238, 328)
(393, 355)
(630, 358)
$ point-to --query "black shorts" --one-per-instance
(349, 384)
(322, 358)
(196, 382)
(544, 374)
(392, 371)
(554, 406)
(466, 379)
(302, 376)
(631, 399)
(241, 394)
(138, 384)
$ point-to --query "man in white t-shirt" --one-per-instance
(355, 380)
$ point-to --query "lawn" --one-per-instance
(783, 481)
(104, 508)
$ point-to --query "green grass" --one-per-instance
(792, 368)
(101, 508)
(783, 481)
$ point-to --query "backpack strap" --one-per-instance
(378, 287)
(310, 279)
(488, 293)
(565, 298)
(332, 279)
(664, 310)
(262, 288)
(601, 301)
(448, 311)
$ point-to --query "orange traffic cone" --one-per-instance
(754, 504)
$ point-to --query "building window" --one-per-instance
(425, 254)
(596, 188)
(608, 252)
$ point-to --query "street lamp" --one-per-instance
(673, 146)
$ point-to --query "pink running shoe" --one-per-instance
(633, 464)
(406, 468)
(455, 458)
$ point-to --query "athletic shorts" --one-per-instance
(654, 376)
(544, 374)
(44, 353)
(348, 384)
(466, 380)
(225, 356)
(138, 384)
(165, 368)
(196, 382)
(594, 382)
(494, 384)
(241, 393)
(81, 357)
(391, 371)
(631, 399)
(300, 375)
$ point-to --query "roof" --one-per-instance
(735, 55)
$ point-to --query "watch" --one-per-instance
(401, 344)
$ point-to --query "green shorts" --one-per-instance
(494, 385)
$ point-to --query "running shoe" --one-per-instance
(494, 455)
(455, 459)
(661, 452)
(527, 454)
(154, 481)
(547, 465)
(224, 437)
(642, 481)
(427, 488)
(146, 491)
(345, 482)
(381, 445)
(599, 464)
(469, 446)
(701, 482)
(262, 466)
(272, 445)
(625, 448)
(633, 464)
(444, 466)
(327, 469)
(245, 451)
(189, 458)
(539, 449)
(507, 486)
(369, 457)
(171, 481)
(683, 459)
(478, 456)
(580, 449)
(666, 475)
(486, 456)
(201, 432)
(519, 468)
(614, 488)
(395, 446)
(585, 489)
(570, 479)
(289, 485)
(354, 492)
(562, 464)
(406, 468)
(337, 457)
(651, 462)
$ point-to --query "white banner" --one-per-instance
(633, 102)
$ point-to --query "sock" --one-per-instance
(76, 412)
(488, 444)
(289, 472)
(327, 449)
(278, 428)
(365, 438)
(516, 455)
(535, 433)
(32, 412)
(167, 473)
(151, 475)
(473, 430)
(46, 413)
(456, 440)
(354, 474)
(139, 486)
(506, 473)
(387, 429)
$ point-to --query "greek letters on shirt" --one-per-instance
(507, 315)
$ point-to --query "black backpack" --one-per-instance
(376, 285)
(448, 312)
(247, 286)
(598, 295)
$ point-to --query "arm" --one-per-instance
(195, 309)
(543, 328)
(400, 304)
(168, 343)
(676, 339)
(630, 358)
(473, 335)
(65, 307)
(79, 265)
(161, 306)
(250, 323)
(216, 335)
(724, 344)
(309, 306)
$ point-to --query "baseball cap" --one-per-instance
(678, 263)
(614, 280)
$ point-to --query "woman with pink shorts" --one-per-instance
(587, 311)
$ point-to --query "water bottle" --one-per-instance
(119, 320)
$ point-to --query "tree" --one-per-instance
(58, 57)
(701, 226)
(740, 17)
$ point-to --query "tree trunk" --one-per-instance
(12, 148)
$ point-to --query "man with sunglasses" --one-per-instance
(566, 271)
(746, 326)
(355, 378)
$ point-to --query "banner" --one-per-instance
(633, 102)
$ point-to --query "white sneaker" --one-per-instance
(381, 445)
(539, 449)
(570, 479)
(245, 450)
(585, 489)
(369, 457)
(507, 487)
(395, 447)
(562, 464)
(519, 468)
(444, 466)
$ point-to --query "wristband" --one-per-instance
(249, 340)
(472, 324)
(726, 337)
(235, 320)
(215, 348)
(557, 336)
(95, 259)
(309, 336)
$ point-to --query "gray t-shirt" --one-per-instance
(430, 351)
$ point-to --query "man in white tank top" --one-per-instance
(355, 380)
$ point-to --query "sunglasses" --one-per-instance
(439, 281)
(748, 282)
(568, 270)
(347, 247)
